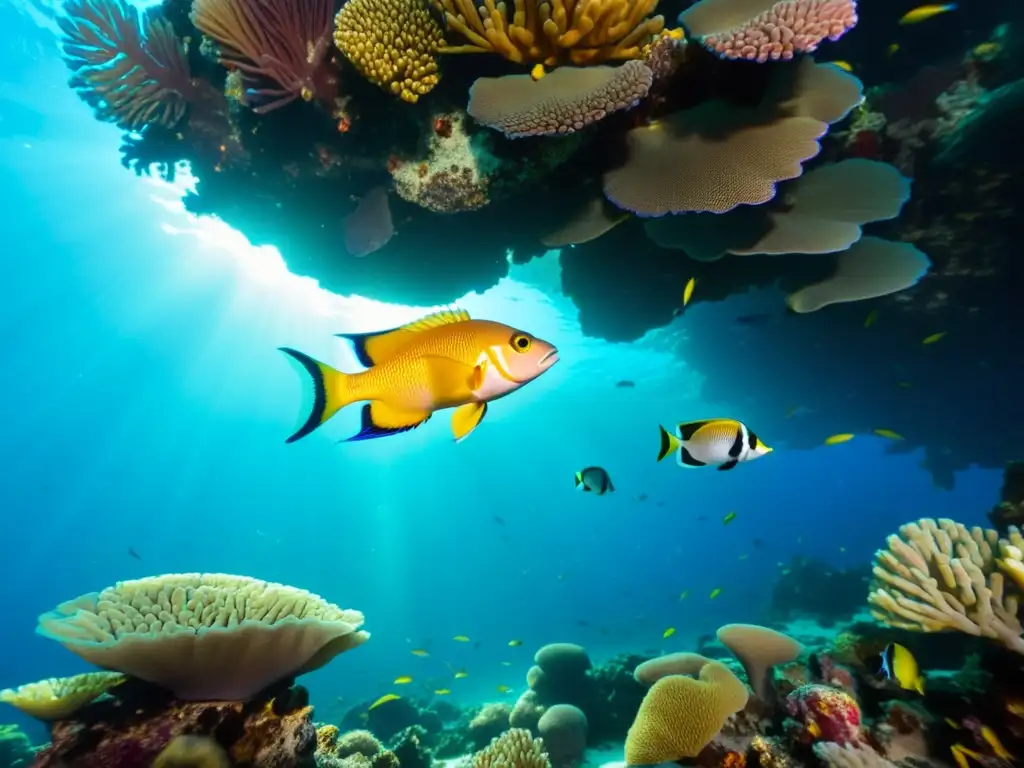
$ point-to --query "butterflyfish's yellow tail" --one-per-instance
(669, 443)
(331, 392)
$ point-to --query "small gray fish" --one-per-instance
(594, 480)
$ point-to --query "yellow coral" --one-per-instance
(192, 752)
(679, 716)
(515, 747)
(392, 43)
(60, 697)
(554, 31)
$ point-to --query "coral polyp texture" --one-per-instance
(565, 101)
(280, 47)
(59, 697)
(767, 30)
(133, 71)
(204, 636)
(393, 43)
(825, 713)
(516, 747)
(938, 575)
(554, 32)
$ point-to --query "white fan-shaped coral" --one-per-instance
(60, 697)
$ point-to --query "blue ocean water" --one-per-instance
(144, 409)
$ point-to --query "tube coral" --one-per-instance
(554, 31)
(132, 72)
(284, 42)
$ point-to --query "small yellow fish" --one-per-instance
(843, 437)
(1015, 707)
(442, 691)
(403, 680)
(843, 65)
(537, 72)
(461, 674)
(505, 663)
(420, 652)
(961, 753)
(893, 48)
(460, 639)
(933, 338)
(728, 518)
(384, 700)
(888, 434)
(715, 593)
(503, 689)
(683, 594)
(668, 633)
(444, 360)
(952, 723)
(514, 643)
(993, 741)
(871, 318)
(986, 50)
(900, 666)
(925, 12)
(688, 290)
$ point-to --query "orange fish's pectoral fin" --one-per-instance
(374, 348)
(383, 420)
(467, 418)
(476, 379)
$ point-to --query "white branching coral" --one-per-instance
(938, 575)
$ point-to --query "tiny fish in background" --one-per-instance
(594, 480)
(758, 318)
(442, 691)
(683, 594)
(933, 338)
(900, 666)
(843, 65)
(842, 437)
(892, 49)
(461, 639)
(888, 434)
(502, 689)
(403, 680)
(514, 643)
(498, 520)
(871, 318)
(715, 593)
(384, 700)
(728, 518)
(537, 72)
(990, 738)
(724, 442)
(925, 12)
(461, 674)
(369, 227)
(743, 557)
(668, 633)
(133, 553)
(505, 663)
(419, 652)
(687, 295)
(625, 384)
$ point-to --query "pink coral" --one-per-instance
(825, 713)
(783, 30)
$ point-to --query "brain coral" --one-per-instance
(566, 100)
(204, 636)
(679, 716)
(392, 43)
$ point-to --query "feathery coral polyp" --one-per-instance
(283, 41)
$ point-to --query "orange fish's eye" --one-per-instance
(521, 342)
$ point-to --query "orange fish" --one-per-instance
(445, 360)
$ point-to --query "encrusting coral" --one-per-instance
(204, 636)
(938, 575)
(59, 697)
(515, 747)
(393, 44)
(554, 32)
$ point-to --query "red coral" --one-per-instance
(825, 714)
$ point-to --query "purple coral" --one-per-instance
(284, 42)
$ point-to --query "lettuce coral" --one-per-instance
(60, 697)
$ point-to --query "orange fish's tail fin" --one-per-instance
(330, 392)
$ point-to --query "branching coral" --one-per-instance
(133, 72)
(392, 43)
(759, 30)
(567, 100)
(936, 576)
(59, 697)
(554, 31)
(204, 636)
(515, 747)
(285, 42)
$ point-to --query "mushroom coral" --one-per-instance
(588, 223)
(565, 101)
(679, 716)
(682, 663)
(59, 697)
(716, 156)
(938, 576)
(762, 30)
(758, 649)
(554, 31)
(393, 44)
(204, 636)
(872, 267)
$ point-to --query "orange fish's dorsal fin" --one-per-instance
(374, 348)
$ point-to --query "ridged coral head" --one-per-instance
(204, 636)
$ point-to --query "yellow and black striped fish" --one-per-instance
(723, 442)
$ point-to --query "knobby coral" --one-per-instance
(133, 72)
(565, 101)
(938, 575)
(515, 747)
(280, 46)
(759, 30)
(59, 697)
(393, 44)
(554, 31)
(204, 636)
